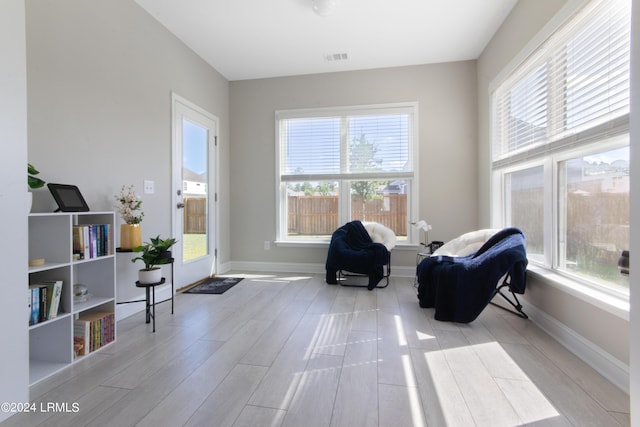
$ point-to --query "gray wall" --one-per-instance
(600, 327)
(14, 355)
(446, 94)
(100, 77)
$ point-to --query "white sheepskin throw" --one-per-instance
(381, 234)
(466, 244)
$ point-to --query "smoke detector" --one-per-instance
(324, 7)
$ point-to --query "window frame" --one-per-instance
(344, 209)
(556, 148)
(551, 227)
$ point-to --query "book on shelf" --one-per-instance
(44, 301)
(91, 241)
(92, 331)
(34, 292)
(55, 290)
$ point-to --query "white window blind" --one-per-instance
(371, 144)
(578, 79)
(338, 164)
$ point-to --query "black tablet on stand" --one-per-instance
(68, 198)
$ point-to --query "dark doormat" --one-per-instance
(214, 285)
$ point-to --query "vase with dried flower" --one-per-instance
(129, 206)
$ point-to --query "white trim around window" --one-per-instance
(339, 154)
(560, 141)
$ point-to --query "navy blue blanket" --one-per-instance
(351, 249)
(461, 287)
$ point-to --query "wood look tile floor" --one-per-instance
(290, 350)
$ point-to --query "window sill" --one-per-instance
(325, 244)
(617, 305)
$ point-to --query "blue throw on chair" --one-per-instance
(461, 287)
(352, 249)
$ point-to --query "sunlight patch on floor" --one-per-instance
(528, 402)
(413, 396)
(402, 339)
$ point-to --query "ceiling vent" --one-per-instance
(330, 57)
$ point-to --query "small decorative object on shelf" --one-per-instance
(130, 208)
(154, 253)
(80, 293)
(36, 262)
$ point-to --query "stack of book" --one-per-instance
(92, 331)
(44, 301)
(91, 241)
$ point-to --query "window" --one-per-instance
(338, 165)
(524, 205)
(560, 147)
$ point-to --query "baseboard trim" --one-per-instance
(277, 267)
(294, 267)
(607, 365)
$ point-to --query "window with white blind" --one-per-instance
(560, 147)
(340, 164)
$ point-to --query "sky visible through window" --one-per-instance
(194, 145)
(314, 146)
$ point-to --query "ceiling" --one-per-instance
(249, 39)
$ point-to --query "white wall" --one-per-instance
(100, 77)
(446, 94)
(14, 354)
(602, 329)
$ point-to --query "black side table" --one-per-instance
(150, 303)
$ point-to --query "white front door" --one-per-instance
(194, 187)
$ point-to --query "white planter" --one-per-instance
(146, 277)
(29, 201)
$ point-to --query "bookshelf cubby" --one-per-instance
(51, 342)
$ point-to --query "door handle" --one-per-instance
(180, 205)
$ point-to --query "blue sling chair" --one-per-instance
(361, 248)
(460, 287)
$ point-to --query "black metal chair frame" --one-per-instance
(343, 275)
(515, 303)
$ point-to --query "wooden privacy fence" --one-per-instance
(318, 215)
(594, 219)
(195, 215)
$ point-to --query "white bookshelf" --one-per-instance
(50, 237)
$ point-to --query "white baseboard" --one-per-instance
(607, 365)
(307, 268)
(224, 268)
(277, 267)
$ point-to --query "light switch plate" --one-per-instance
(148, 187)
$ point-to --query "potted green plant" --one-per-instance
(33, 182)
(153, 253)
